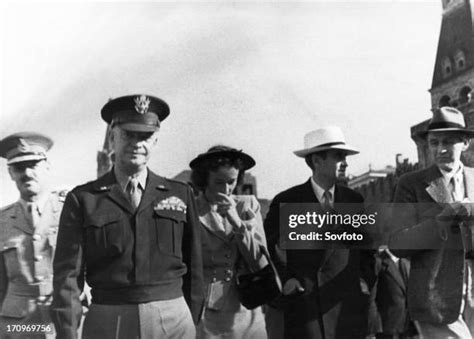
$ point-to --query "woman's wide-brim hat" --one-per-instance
(447, 119)
(324, 139)
(224, 151)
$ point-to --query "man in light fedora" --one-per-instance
(325, 291)
(431, 217)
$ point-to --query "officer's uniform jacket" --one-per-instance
(126, 255)
(26, 256)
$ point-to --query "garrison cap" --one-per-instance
(138, 113)
(25, 146)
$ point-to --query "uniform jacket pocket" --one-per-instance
(169, 226)
(104, 234)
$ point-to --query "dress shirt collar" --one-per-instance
(319, 191)
(455, 173)
(40, 203)
(124, 179)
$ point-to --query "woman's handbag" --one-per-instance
(259, 288)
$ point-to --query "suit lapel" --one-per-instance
(208, 220)
(49, 216)
(109, 183)
(21, 220)
(394, 272)
(436, 186)
(155, 184)
(469, 182)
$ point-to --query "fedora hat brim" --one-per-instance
(346, 148)
(468, 132)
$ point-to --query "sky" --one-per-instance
(252, 75)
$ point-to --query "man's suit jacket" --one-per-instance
(437, 262)
(127, 255)
(333, 299)
(391, 294)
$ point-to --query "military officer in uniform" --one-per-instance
(133, 236)
(27, 239)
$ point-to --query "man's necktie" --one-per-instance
(134, 192)
(326, 205)
(455, 188)
(33, 214)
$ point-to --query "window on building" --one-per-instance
(465, 95)
(444, 101)
(460, 60)
(447, 67)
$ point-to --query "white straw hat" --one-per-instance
(323, 139)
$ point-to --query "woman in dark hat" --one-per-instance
(231, 234)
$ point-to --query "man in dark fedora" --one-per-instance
(431, 215)
(325, 291)
(133, 236)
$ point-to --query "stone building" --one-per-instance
(453, 75)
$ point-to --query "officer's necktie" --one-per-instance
(33, 214)
(134, 192)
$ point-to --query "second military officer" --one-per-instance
(28, 239)
(133, 236)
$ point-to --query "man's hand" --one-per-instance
(292, 286)
(457, 211)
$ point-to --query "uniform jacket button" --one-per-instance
(38, 257)
(39, 278)
(36, 237)
(227, 279)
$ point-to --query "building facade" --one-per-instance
(453, 75)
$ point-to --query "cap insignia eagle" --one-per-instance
(23, 146)
(142, 104)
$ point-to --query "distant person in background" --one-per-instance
(391, 296)
(28, 230)
(231, 234)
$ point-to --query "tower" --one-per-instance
(453, 75)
